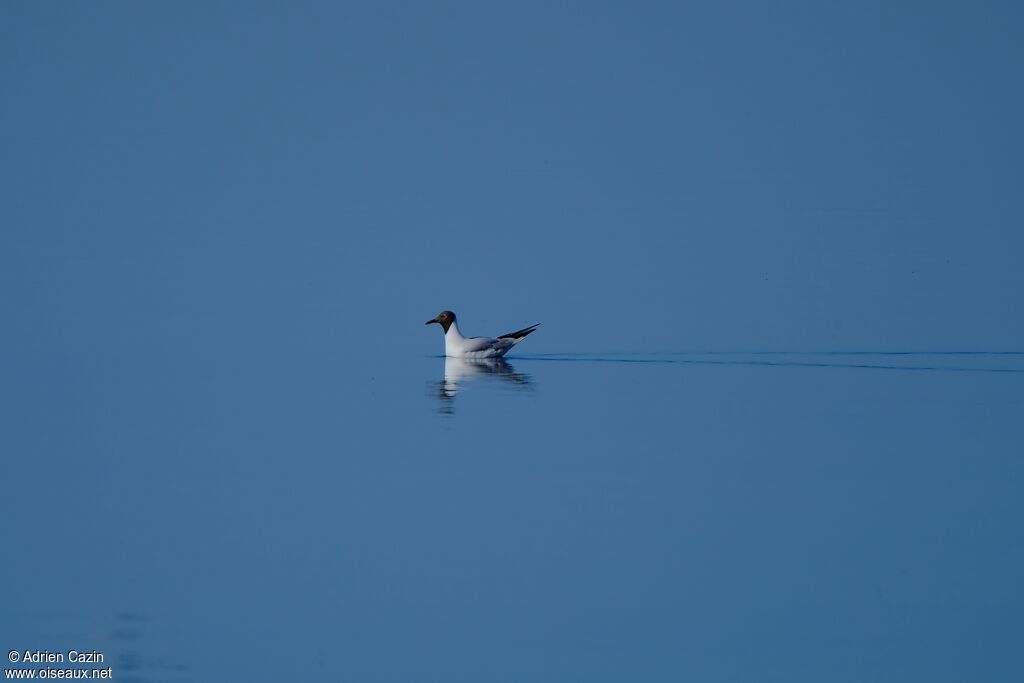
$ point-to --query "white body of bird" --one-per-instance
(457, 346)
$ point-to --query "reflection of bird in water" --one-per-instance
(458, 370)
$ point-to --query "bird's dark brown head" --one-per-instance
(444, 319)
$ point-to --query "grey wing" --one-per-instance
(475, 344)
(487, 346)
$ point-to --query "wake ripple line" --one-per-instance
(782, 353)
(568, 358)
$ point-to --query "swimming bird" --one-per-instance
(457, 346)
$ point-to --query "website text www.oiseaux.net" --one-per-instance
(65, 668)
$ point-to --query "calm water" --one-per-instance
(558, 517)
(229, 452)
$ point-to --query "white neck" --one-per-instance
(453, 340)
(453, 332)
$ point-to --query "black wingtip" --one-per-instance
(521, 333)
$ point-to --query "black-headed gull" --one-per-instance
(457, 346)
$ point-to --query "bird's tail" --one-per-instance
(518, 336)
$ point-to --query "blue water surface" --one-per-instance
(770, 427)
